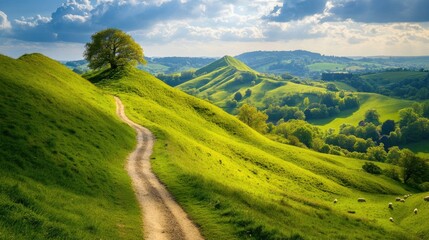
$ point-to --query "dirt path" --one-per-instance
(162, 217)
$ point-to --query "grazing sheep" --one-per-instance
(398, 199)
(361, 200)
(391, 219)
(426, 198)
(405, 196)
(335, 200)
(402, 200)
(415, 210)
(391, 206)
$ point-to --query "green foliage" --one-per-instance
(238, 96)
(248, 93)
(414, 168)
(387, 127)
(62, 158)
(253, 118)
(114, 48)
(372, 116)
(377, 153)
(370, 167)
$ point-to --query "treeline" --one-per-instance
(176, 78)
(309, 106)
(369, 140)
(408, 88)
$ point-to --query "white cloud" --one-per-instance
(4, 22)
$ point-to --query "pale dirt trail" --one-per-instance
(162, 217)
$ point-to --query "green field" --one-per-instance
(62, 154)
(387, 107)
(237, 184)
(322, 66)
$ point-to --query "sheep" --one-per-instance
(391, 206)
(391, 219)
(405, 196)
(335, 200)
(402, 200)
(426, 198)
(361, 200)
(415, 210)
(398, 199)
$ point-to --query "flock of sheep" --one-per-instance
(390, 206)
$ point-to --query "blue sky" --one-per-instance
(60, 28)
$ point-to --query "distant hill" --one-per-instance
(155, 65)
(308, 64)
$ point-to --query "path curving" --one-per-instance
(162, 217)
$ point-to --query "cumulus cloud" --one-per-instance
(75, 20)
(366, 11)
(4, 23)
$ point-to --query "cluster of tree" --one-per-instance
(408, 88)
(176, 78)
(300, 106)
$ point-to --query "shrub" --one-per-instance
(392, 173)
(370, 167)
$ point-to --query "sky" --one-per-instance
(213, 28)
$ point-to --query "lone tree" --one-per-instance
(112, 47)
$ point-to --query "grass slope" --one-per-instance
(387, 107)
(62, 154)
(237, 184)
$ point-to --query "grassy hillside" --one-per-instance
(221, 79)
(237, 184)
(387, 107)
(62, 158)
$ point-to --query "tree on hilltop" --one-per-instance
(114, 48)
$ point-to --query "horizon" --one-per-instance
(193, 28)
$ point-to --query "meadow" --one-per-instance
(237, 184)
(62, 154)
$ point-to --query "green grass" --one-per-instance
(324, 66)
(387, 107)
(62, 154)
(237, 184)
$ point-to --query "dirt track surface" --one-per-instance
(162, 217)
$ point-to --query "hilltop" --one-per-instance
(62, 156)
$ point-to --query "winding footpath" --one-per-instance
(162, 217)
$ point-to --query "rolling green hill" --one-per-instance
(62, 158)
(237, 184)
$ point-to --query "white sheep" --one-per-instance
(402, 200)
(415, 210)
(391, 206)
(335, 200)
(391, 219)
(398, 199)
(426, 198)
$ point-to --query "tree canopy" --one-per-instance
(114, 48)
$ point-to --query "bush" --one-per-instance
(370, 167)
(392, 173)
